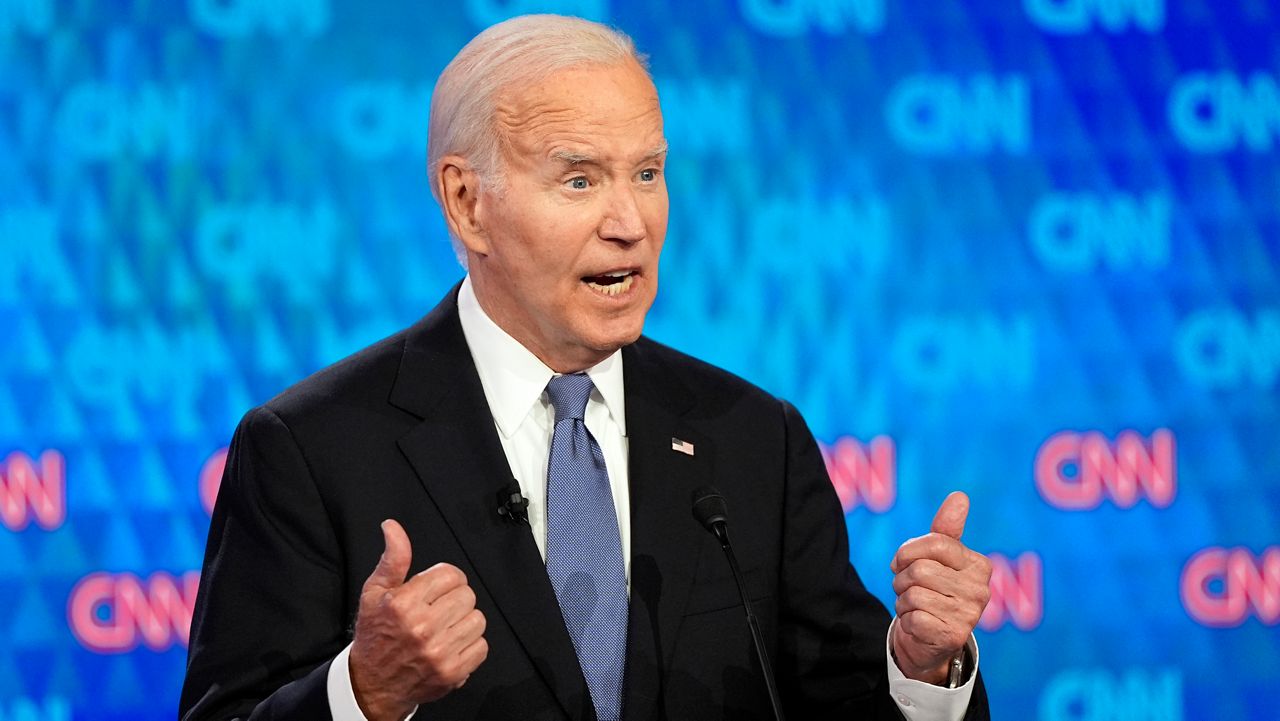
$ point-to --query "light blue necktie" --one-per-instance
(584, 550)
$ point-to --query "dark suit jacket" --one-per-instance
(402, 430)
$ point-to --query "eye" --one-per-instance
(648, 175)
(579, 183)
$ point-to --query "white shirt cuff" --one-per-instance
(920, 701)
(342, 697)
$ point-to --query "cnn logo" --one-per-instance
(1222, 587)
(1077, 471)
(1017, 592)
(115, 612)
(864, 474)
(32, 489)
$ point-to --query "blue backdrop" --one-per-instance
(1028, 249)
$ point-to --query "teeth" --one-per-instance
(617, 274)
(615, 288)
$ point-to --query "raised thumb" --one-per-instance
(393, 566)
(950, 518)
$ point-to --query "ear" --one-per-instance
(459, 186)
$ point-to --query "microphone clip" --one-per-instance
(513, 507)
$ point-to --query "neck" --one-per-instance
(522, 328)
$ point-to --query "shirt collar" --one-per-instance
(514, 379)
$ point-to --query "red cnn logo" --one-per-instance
(211, 478)
(863, 474)
(1220, 586)
(1075, 470)
(26, 492)
(113, 612)
(1017, 592)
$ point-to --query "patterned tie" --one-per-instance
(584, 550)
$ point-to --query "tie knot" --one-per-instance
(568, 394)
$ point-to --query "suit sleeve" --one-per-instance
(831, 630)
(270, 613)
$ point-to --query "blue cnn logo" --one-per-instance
(849, 237)
(373, 120)
(97, 121)
(236, 19)
(937, 353)
(243, 244)
(945, 115)
(1102, 695)
(1217, 112)
(790, 18)
(1073, 17)
(1225, 349)
(1082, 231)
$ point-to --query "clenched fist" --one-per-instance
(942, 588)
(415, 640)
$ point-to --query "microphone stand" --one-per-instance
(709, 508)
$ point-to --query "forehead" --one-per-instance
(606, 107)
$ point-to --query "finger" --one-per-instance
(931, 636)
(473, 655)
(466, 630)
(449, 608)
(397, 553)
(429, 585)
(922, 628)
(935, 546)
(924, 572)
(919, 598)
(969, 584)
(950, 518)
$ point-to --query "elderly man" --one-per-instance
(371, 557)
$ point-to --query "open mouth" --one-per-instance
(612, 283)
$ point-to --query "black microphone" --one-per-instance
(712, 512)
(513, 507)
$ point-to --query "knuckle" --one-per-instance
(452, 670)
(452, 574)
(902, 607)
(915, 595)
(972, 619)
(468, 597)
(435, 653)
(945, 546)
(984, 596)
(910, 622)
(911, 574)
(928, 571)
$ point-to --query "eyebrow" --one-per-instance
(569, 157)
(658, 150)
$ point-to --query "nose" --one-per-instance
(622, 221)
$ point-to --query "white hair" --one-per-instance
(514, 53)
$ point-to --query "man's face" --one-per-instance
(567, 255)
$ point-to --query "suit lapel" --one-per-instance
(664, 535)
(456, 454)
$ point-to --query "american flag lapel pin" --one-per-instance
(684, 447)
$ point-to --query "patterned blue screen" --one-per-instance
(1025, 248)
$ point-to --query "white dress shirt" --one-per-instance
(515, 383)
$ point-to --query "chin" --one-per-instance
(614, 335)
